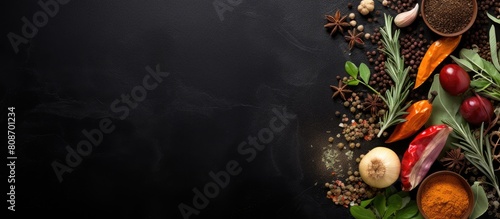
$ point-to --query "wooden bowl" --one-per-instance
(441, 175)
(426, 16)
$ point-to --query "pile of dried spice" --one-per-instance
(444, 197)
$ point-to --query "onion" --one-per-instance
(380, 167)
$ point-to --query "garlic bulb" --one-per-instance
(404, 19)
(380, 167)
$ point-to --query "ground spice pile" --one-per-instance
(448, 16)
(444, 198)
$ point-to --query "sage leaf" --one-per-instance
(480, 84)
(442, 101)
(481, 201)
(408, 212)
(379, 204)
(466, 65)
(364, 72)
(359, 212)
(491, 71)
(493, 18)
(394, 203)
(473, 57)
(493, 48)
(351, 69)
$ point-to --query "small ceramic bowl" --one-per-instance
(439, 176)
(425, 17)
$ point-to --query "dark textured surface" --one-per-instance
(226, 77)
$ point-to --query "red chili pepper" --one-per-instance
(421, 154)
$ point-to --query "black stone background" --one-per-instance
(226, 76)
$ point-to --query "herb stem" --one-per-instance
(394, 66)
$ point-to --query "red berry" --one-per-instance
(454, 79)
(476, 109)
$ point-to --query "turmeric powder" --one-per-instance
(444, 197)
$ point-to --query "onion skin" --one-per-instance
(380, 167)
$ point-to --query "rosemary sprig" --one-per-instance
(476, 150)
(394, 66)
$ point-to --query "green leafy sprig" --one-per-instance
(476, 150)
(364, 74)
(486, 79)
(394, 66)
(387, 205)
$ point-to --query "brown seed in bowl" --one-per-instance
(448, 16)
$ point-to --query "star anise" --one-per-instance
(341, 90)
(373, 103)
(336, 22)
(454, 160)
(354, 38)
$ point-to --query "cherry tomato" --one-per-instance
(454, 79)
(476, 109)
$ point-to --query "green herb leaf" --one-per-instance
(493, 18)
(364, 72)
(466, 65)
(351, 69)
(408, 212)
(480, 84)
(490, 69)
(394, 203)
(493, 48)
(379, 204)
(353, 82)
(442, 102)
(481, 201)
(391, 190)
(473, 57)
(366, 202)
(359, 212)
(418, 216)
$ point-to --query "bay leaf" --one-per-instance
(480, 200)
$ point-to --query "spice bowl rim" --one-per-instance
(462, 180)
(466, 28)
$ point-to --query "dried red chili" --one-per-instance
(418, 114)
(421, 154)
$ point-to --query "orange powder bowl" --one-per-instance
(445, 194)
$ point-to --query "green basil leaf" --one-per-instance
(379, 204)
(359, 212)
(366, 202)
(351, 69)
(353, 82)
(473, 57)
(405, 201)
(493, 18)
(466, 65)
(418, 216)
(481, 201)
(364, 72)
(408, 212)
(493, 48)
(394, 203)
